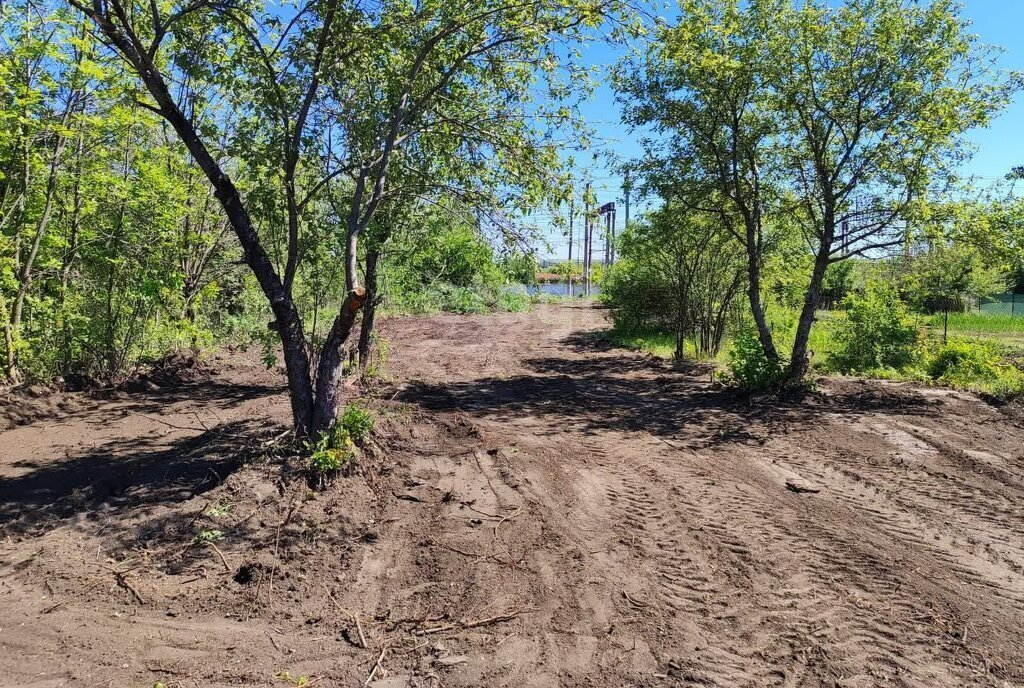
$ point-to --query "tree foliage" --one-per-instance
(831, 120)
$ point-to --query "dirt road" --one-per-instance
(544, 510)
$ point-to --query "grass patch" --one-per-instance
(1005, 330)
(659, 344)
(979, 323)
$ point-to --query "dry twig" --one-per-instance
(123, 582)
(354, 616)
(223, 560)
(470, 623)
(376, 665)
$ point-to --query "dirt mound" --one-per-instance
(173, 370)
(26, 404)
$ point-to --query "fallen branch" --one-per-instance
(354, 616)
(506, 518)
(223, 560)
(123, 582)
(801, 487)
(634, 602)
(466, 623)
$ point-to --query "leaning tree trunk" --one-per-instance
(370, 309)
(330, 369)
(289, 324)
(800, 362)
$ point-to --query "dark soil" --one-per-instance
(536, 508)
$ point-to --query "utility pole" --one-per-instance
(587, 238)
(571, 212)
(627, 186)
(607, 238)
(607, 214)
(568, 277)
(613, 234)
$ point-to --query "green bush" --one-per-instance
(464, 300)
(962, 362)
(749, 368)
(640, 298)
(977, 366)
(878, 334)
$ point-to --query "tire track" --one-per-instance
(813, 598)
(914, 509)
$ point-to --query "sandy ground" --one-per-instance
(538, 509)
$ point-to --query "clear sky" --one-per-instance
(998, 148)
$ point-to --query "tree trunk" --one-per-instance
(680, 351)
(329, 370)
(289, 325)
(799, 363)
(682, 293)
(764, 333)
(370, 309)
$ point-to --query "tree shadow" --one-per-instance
(609, 388)
(127, 475)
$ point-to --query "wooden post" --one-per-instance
(588, 238)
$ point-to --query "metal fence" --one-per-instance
(1004, 304)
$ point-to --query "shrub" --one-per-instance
(640, 299)
(512, 300)
(977, 366)
(463, 300)
(749, 368)
(961, 362)
(878, 334)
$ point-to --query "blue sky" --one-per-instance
(999, 147)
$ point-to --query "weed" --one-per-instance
(357, 423)
(288, 678)
(332, 452)
(749, 368)
(220, 509)
(207, 536)
(976, 366)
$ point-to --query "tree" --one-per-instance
(705, 92)
(874, 96)
(677, 273)
(949, 274)
(308, 116)
(568, 271)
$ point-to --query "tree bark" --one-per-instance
(329, 370)
(799, 363)
(370, 309)
(764, 333)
